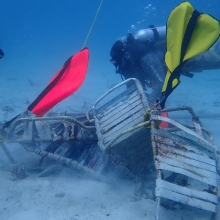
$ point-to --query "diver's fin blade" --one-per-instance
(194, 33)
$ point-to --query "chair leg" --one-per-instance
(157, 217)
(5, 149)
(213, 216)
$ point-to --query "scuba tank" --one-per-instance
(151, 33)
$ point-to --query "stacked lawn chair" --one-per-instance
(187, 152)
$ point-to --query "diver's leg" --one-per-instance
(208, 60)
(216, 47)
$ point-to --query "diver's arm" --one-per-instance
(208, 60)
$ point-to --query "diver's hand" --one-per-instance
(1, 53)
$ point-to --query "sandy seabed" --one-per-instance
(67, 194)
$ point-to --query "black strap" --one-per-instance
(188, 34)
(188, 74)
(156, 33)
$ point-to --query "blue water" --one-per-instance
(41, 35)
(37, 37)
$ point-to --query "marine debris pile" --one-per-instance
(122, 135)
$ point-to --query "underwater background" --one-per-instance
(37, 37)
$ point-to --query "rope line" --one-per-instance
(92, 24)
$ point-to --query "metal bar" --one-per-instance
(207, 180)
(192, 193)
(136, 82)
(161, 118)
(64, 118)
(5, 149)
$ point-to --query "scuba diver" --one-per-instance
(1, 53)
(157, 56)
(142, 56)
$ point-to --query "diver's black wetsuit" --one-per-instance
(150, 71)
(148, 65)
(154, 71)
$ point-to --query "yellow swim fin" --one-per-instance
(189, 33)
